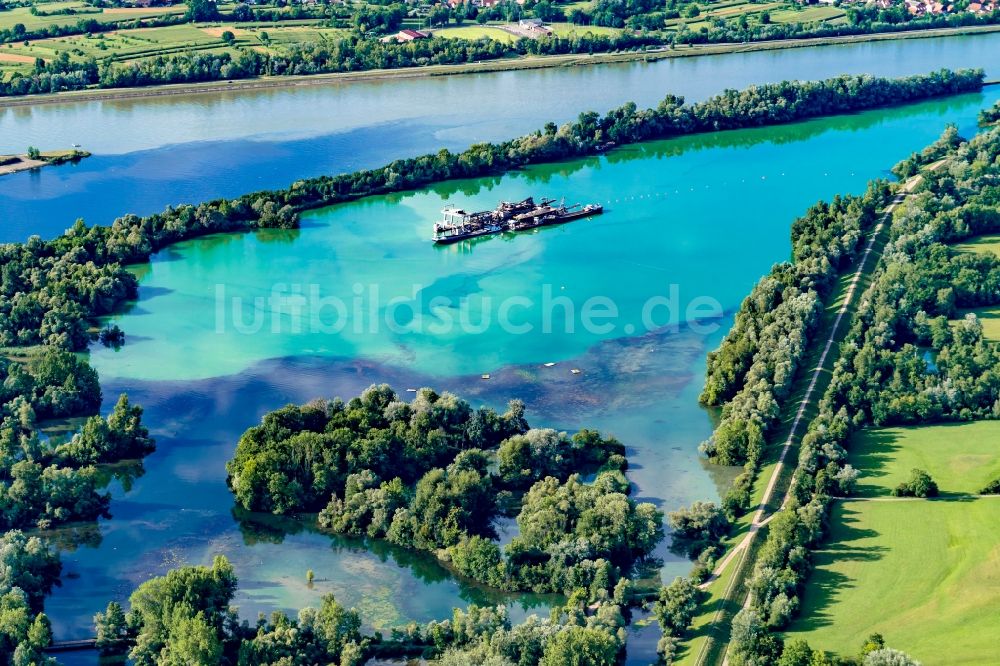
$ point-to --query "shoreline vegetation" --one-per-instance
(51, 293)
(38, 159)
(919, 285)
(505, 64)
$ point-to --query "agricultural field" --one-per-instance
(46, 16)
(924, 574)
(808, 14)
(131, 45)
(960, 457)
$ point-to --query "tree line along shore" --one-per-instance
(212, 42)
(506, 64)
(911, 357)
(51, 293)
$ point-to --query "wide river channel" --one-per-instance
(150, 153)
(229, 327)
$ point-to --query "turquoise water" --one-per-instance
(689, 225)
(149, 153)
(706, 214)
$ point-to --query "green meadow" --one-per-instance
(987, 244)
(989, 317)
(960, 457)
(924, 574)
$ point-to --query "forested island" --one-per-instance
(433, 474)
(431, 462)
(420, 475)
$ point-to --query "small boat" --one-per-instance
(548, 365)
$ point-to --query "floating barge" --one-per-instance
(457, 224)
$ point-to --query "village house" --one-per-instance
(406, 36)
(534, 26)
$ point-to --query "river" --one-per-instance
(149, 153)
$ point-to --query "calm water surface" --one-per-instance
(706, 214)
(154, 152)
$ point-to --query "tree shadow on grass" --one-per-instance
(825, 586)
(870, 454)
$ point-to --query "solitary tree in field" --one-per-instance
(920, 484)
(33, 153)
(228, 37)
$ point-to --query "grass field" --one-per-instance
(924, 574)
(988, 244)
(820, 13)
(564, 29)
(960, 457)
(475, 32)
(989, 316)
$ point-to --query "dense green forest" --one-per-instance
(435, 474)
(883, 375)
(751, 373)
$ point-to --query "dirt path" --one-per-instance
(760, 519)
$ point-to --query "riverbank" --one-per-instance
(507, 64)
(15, 163)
